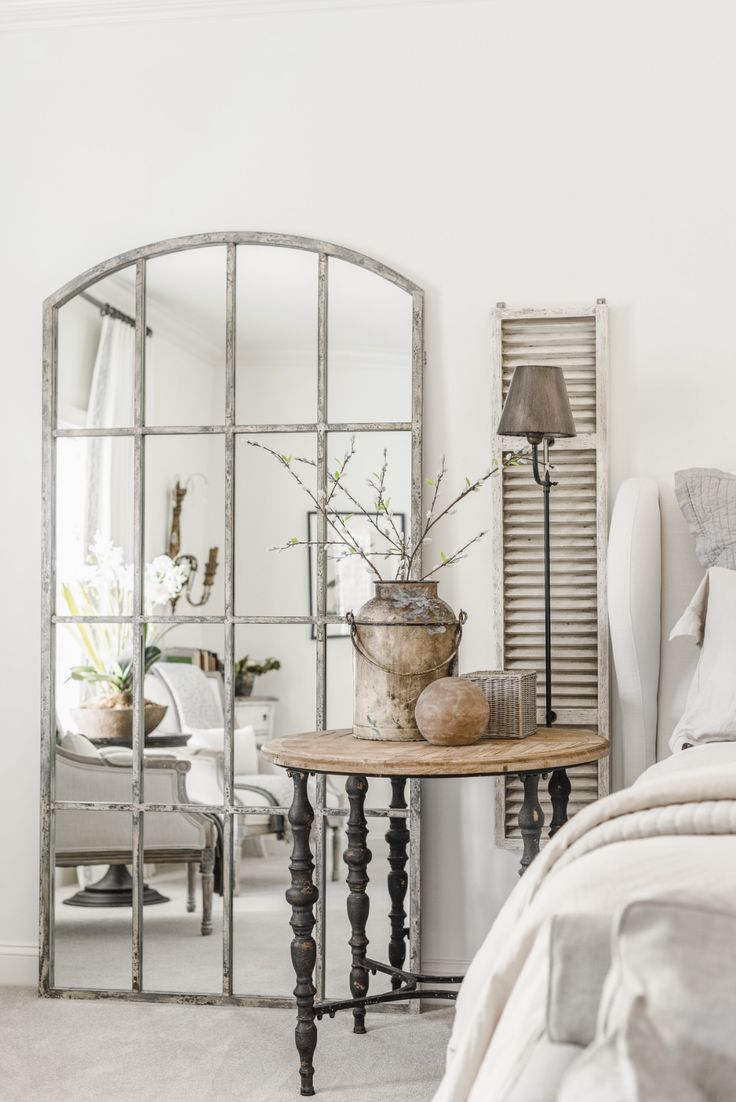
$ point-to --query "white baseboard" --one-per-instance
(18, 965)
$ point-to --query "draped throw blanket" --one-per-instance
(673, 832)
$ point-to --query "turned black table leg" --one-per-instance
(559, 791)
(302, 896)
(531, 820)
(356, 857)
(397, 837)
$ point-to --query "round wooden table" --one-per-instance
(548, 751)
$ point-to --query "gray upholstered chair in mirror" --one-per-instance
(104, 837)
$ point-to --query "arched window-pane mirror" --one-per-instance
(175, 641)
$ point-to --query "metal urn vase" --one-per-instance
(404, 638)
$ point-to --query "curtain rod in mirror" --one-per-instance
(111, 311)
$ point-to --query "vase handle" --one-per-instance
(461, 619)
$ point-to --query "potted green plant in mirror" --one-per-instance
(106, 589)
(405, 636)
(247, 670)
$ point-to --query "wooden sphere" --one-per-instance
(452, 712)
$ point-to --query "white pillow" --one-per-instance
(79, 744)
(245, 751)
(710, 709)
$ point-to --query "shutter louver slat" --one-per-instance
(575, 343)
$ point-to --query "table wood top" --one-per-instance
(340, 752)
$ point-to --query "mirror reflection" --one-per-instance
(185, 354)
(276, 346)
(369, 340)
(93, 849)
(272, 508)
(96, 355)
(185, 519)
(275, 676)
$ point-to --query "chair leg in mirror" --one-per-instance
(207, 868)
(336, 852)
(191, 887)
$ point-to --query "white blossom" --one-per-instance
(164, 580)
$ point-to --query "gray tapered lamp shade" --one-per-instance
(537, 404)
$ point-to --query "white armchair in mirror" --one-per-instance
(194, 701)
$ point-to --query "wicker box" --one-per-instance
(512, 697)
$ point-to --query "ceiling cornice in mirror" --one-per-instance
(28, 14)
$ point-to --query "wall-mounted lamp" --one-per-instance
(538, 407)
(189, 562)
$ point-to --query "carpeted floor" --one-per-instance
(77, 1051)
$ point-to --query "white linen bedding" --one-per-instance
(672, 834)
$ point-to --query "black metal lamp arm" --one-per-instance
(546, 481)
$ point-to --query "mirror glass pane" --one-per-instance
(96, 355)
(93, 909)
(93, 694)
(94, 525)
(271, 511)
(182, 912)
(185, 519)
(280, 701)
(185, 355)
(373, 497)
(369, 346)
(184, 690)
(276, 336)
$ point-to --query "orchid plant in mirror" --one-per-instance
(106, 589)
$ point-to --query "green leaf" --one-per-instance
(294, 540)
(431, 482)
(151, 655)
(443, 556)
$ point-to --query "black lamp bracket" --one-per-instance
(546, 483)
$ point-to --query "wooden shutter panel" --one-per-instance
(576, 341)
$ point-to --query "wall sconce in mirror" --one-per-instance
(188, 562)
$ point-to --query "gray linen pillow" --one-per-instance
(707, 498)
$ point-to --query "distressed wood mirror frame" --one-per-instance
(229, 430)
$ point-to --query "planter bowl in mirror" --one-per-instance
(116, 723)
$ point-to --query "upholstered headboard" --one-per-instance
(652, 574)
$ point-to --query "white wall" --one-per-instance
(533, 152)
